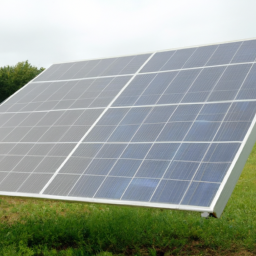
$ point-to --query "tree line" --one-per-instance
(12, 78)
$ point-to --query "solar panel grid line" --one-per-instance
(150, 178)
(142, 73)
(170, 59)
(56, 92)
(99, 94)
(48, 85)
(60, 88)
(148, 86)
(154, 143)
(185, 133)
(39, 95)
(86, 64)
(171, 84)
(27, 153)
(36, 125)
(229, 181)
(105, 144)
(137, 106)
(213, 138)
(14, 130)
(122, 151)
(43, 157)
(22, 88)
(52, 69)
(102, 114)
(184, 103)
(125, 65)
(158, 142)
(61, 67)
(168, 84)
(57, 110)
(81, 79)
(27, 93)
(68, 69)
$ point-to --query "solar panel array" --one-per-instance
(159, 129)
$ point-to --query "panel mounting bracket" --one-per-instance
(207, 215)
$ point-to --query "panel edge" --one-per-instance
(230, 180)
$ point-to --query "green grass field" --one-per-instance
(40, 227)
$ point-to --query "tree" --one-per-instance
(12, 78)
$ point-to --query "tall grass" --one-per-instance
(38, 227)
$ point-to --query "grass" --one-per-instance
(41, 227)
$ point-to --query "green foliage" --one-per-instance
(12, 78)
(41, 227)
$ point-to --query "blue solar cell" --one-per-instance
(221, 152)
(112, 188)
(191, 152)
(232, 131)
(152, 169)
(135, 116)
(82, 73)
(241, 111)
(223, 54)
(183, 81)
(123, 133)
(100, 166)
(212, 172)
(160, 83)
(160, 114)
(99, 133)
(195, 97)
(140, 189)
(207, 79)
(202, 131)
(136, 151)
(86, 186)
(233, 77)
(181, 170)
(186, 113)
(149, 99)
(99, 69)
(76, 165)
(157, 61)
(170, 98)
(170, 191)
(246, 53)
(147, 132)
(213, 112)
(175, 131)
(200, 56)
(178, 59)
(61, 185)
(164, 151)
(200, 194)
(125, 167)
(111, 151)
(134, 65)
(117, 66)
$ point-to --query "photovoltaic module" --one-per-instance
(171, 129)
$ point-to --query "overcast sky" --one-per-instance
(51, 31)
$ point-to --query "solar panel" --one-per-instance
(170, 129)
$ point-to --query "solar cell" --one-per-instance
(170, 129)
